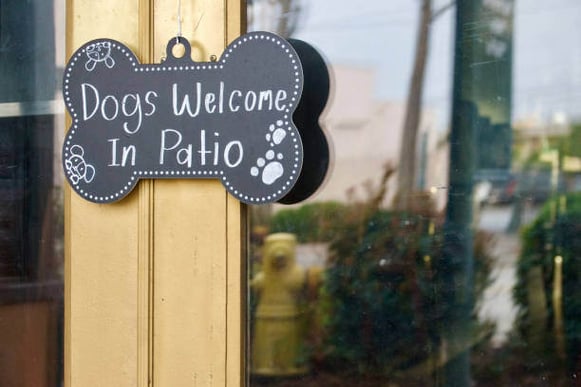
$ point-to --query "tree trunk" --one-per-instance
(289, 14)
(284, 28)
(407, 158)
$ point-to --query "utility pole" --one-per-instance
(480, 139)
(458, 261)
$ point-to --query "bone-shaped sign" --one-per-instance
(231, 119)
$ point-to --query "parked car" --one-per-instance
(503, 192)
(495, 187)
(538, 186)
(531, 185)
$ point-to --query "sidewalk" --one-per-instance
(497, 304)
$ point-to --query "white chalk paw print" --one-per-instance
(271, 168)
(276, 133)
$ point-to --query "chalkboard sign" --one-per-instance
(231, 119)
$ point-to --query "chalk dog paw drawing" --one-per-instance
(77, 168)
(99, 52)
(272, 169)
(276, 133)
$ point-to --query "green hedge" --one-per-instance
(555, 231)
(380, 295)
(314, 222)
(381, 307)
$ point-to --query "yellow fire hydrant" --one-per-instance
(277, 341)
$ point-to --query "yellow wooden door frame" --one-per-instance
(154, 284)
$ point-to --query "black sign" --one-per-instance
(231, 119)
(306, 116)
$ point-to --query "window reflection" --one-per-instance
(449, 256)
(31, 220)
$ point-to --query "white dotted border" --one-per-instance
(254, 36)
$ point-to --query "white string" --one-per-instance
(179, 21)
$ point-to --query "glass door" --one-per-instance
(31, 196)
(444, 246)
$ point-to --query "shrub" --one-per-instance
(555, 232)
(380, 303)
(314, 222)
(380, 293)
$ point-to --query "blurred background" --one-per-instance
(443, 247)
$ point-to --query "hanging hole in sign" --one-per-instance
(178, 50)
(213, 58)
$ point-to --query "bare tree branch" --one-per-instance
(437, 13)
(280, 16)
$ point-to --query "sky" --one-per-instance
(380, 35)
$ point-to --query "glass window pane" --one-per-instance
(31, 210)
(443, 245)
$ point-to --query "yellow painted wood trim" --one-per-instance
(146, 228)
(237, 302)
(101, 241)
(190, 284)
(67, 283)
(235, 20)
(67, 224)
(121, 258)
(144, 281)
